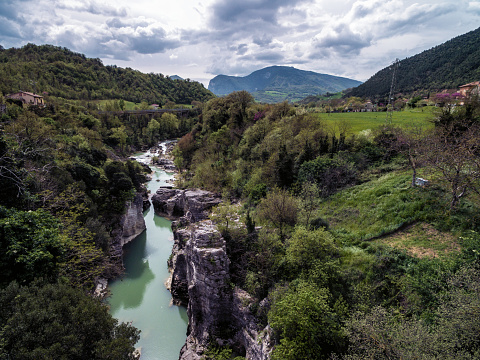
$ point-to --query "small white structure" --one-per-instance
(421, 182)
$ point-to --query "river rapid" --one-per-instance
(140, 296)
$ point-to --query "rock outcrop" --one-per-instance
(193, 203)
(132, 222)
(218, 312)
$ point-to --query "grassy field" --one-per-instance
(388, 211)
(361, 121)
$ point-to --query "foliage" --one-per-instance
(381, 334)
(55, 321)
(30, 245)
(63, 73)
(307, 322)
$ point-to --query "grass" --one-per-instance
(378, 207)
(387, 210)
(423, 240)
(362, 121)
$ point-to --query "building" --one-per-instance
(469, 89)
(27, 98)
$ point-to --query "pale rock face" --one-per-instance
(217, 311)
(132, 222)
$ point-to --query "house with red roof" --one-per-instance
(470, 89)
(27, 98)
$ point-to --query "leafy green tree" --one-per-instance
(305, 246)
(55, 321)
(307, 322)
(30, 245)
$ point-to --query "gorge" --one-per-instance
(140, 296)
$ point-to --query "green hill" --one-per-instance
(279, 83)
(446, 66)
(64, 73)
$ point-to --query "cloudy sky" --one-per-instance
(199, 39)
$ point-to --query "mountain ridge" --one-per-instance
(445, 66)
(285, 80)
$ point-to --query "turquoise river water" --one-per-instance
(140, 296)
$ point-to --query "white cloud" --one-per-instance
(206, 37)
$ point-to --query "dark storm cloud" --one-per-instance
(9, 29)
(11, 20)
(263, 39)
(254, 17)
(226, 11)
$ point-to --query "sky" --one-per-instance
(199, 39)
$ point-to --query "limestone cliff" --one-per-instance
(218, 312)
(132, 222)
(128, 227)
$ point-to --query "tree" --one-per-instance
(310, 199)
(304, 247)
(280, 209)
(410, 142)
(55, 321)
(30, 245)
(454, 153)
(305, 323)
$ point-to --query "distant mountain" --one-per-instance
(63, 73)
(175, 77)
(278, 83)
(446, 66)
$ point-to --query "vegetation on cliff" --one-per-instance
(355, 261)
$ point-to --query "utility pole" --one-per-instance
(391, 102)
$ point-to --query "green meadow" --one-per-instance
(361, 121)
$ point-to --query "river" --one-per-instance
(140, 296)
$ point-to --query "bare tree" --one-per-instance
(455, 154)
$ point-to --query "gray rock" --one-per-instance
(200, 279)
(132, 222)
(175, 203)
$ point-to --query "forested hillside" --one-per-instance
(445, 66)
(65, 182)
(345, 256)
(63, 73)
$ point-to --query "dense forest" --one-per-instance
(329, 218)
(65, 181)
(61, 72)
(446, 66)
